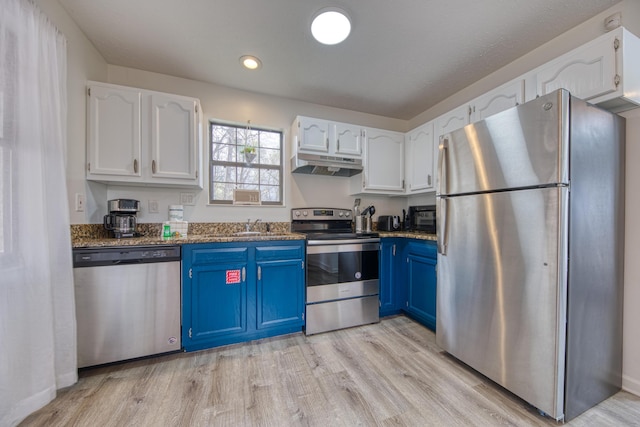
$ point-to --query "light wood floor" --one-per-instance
(387, 374)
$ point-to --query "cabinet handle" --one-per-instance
(244, 274)
(394, 250)
(429, 180)
(259, 273)
(338, 145)
(153, 166)
(135, 165)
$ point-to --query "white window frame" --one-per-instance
(239, 164)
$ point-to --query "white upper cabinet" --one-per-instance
(454, 119)
(317, 136)
(348, 139)
(113, 129)
(586, 72)
(174, 127)
(497, 100)
(140, 137)
(383, 161)
(605, 71)
(420, 149)
(312, 135)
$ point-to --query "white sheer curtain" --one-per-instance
(37, 310)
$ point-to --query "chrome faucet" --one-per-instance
(248, 227)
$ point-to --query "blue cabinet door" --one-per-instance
(391, 278)
(215, 295)
(280, 286)
(280, 294)
(421, 282)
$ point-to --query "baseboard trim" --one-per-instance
(632, 385)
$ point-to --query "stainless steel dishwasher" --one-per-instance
(127, 302)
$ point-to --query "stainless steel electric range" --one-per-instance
(342, 270)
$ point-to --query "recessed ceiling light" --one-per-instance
(331, 26)
(250, 62)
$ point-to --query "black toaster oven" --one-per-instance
(423, 218)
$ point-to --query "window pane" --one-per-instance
(223, 135)
(270, 140)
(269, 156)
(248, 176)
(223, 191)
(224, 174)
(223, 152)
(270, 177)
(270, 193)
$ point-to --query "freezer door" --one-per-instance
(524, 146)
(502, 290)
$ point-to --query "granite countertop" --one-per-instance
(94, 235)
(191, 238)
(409, 235)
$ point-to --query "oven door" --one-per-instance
(340, 269)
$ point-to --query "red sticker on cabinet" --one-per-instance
(233, 276)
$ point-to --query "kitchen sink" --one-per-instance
(249, 233)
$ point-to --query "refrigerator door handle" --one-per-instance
(442, 165)
(441, 223)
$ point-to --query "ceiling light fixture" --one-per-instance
(331, 26)
(250, 62)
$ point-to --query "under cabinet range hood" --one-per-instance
(316, 164)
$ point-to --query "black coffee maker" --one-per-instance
(121, 220)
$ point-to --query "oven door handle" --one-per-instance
(329, 242)
(333, 248)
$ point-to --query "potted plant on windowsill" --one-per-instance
(249, 153)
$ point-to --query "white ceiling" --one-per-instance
(403, 56)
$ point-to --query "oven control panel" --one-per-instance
(320, 214)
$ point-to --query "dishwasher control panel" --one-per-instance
(127, 255)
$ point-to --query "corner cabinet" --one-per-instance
(421, 154)
(420, 278)
(139, 137)
(240, 291)
(383, 162)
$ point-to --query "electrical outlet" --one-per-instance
(153, 206)
(79, 202)
(188, 199)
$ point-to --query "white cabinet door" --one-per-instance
(454, 119)
(113, 132)
(498, 100)
(348, 139)
(587, 72)
(174, 143)
(419, 159)
(142, 137)
(384, 161)
(312, 135)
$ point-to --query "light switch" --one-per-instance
(79, 202)
(153, 206)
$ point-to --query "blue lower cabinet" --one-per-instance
(235, 292)
(280, 288)
(391, 277)
(420, 282)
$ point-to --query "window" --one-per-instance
(245, 158)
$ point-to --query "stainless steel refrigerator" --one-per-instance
(530, 216)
